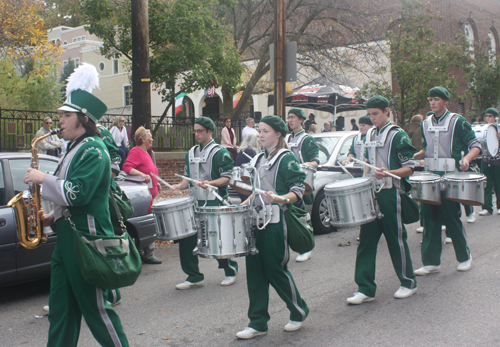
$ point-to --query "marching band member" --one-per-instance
(211, 164)
(81, 185)
(357, 148)
(390, 149)
(306, 150)
(453, 135)
(492, 173)
(279, 172)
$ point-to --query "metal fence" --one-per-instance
(18, 127)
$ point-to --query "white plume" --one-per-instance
(85, 77)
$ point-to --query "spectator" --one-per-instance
(140, 163)
(340, 123)
(414, 132)
(327, 127)
(250, 147)
(119, 132)
(308, 122)
(312, 129)
(249, 129)
(228, 138)
(354, 126)
(51, 145)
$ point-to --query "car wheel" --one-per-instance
(319, 216)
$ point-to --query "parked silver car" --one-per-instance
(333, 147)
(18, 264)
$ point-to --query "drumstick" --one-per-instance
(376, 168)
(258, 191)
(161, 180)
(212, 188)
(249, 157)
(345, 170)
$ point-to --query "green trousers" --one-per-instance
(492, 181)
(391, 225)
(269, 267)
(189, 261)
(114, 296)
(448, 213)
(71, 297)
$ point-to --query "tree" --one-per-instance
(26, 91)
(330, 35)
(62, 13)
(67, 70)
(22, 37)
(188, 45)
(483, 76)
(417, 62)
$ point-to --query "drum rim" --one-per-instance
(220, 209)
(455, 176)
(365, 179)
(431, 178)
(163, 203)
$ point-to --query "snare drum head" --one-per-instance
(464, 176)
(424, 176)
(349, 183)
(174, 202)
(492, 140)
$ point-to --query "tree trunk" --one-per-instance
(227, 105)
(141, 91)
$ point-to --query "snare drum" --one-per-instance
(487, 136)
(310, 172)
(426, 187)
(465, 187)
(351, 202)
(225, 232)
(174, 218)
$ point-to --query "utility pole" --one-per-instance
(141, 90)
(279, 56)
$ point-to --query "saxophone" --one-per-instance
(29, 216)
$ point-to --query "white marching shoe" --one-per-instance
(429, 269)
(420, 230)
(249, 333)
(471, 218)
(188, 285)
(303, 257)
(228, 280)
(466, 265)
(359, 298)
(293, 325)
(484, 213)
(46, 308)
(448, 240)
(403, 292)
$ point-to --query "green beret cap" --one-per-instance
(440, 92)
(365, 120)
(298, 112)
(430, 113)
(276, 123)
(377, 101)
(206, 122)
(492, 111)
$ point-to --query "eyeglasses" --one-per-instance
(123, 120)
(48, 122)
(490, 115)
(199, 131)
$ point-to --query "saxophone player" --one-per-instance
(81, 185)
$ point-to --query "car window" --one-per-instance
(344, 150)
(326, 146)
(18, 168)
(2, 186)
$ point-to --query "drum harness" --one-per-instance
(200, 163)
(266, 213)
(296, 145)
(440, 160)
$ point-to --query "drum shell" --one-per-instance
(487, 136)
(225, 232)
(460, 187)
(174, 218)
(426, 190)
(310, 172)
(351, 205)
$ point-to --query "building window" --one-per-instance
(101, 66)
(461, 108)
(77, 62)
(493, 46)
(65, 63)
(79, 39)
(127, 95)
(115, 66)
(65, 42)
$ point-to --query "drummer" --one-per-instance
(306, 150)
(215, 171)
(357, 148)
(269, 266)
(492, 173)
(457, 138)
(389, 148)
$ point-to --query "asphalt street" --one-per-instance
(450, 308)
